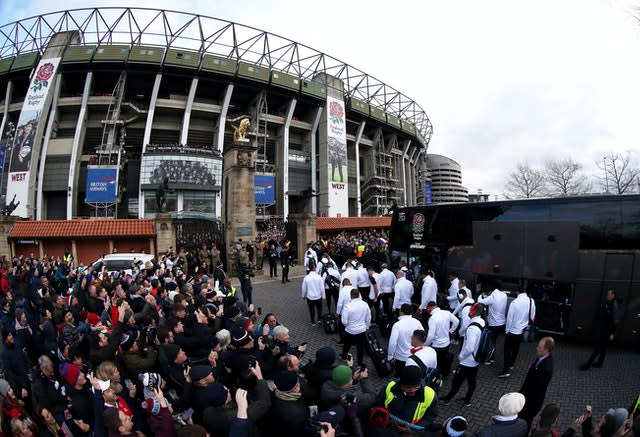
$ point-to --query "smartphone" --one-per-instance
(313, 410)
(304, 343)
(187, 414)
(363, 367)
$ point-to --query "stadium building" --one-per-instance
(103, 109)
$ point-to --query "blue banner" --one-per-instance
(428, 199)
(102, 184)
(3, 150)
(264, 189)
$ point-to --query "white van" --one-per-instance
(117, 262)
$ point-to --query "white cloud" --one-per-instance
(502, 80)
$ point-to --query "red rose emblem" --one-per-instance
(336, 109)
(45, 72)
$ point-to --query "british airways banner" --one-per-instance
(264, 191)
(102, 185)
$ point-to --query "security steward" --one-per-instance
(411, 405)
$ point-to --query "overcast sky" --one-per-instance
(501, 81)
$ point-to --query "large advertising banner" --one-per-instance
(337, 158)
(428, 195)
(102, 185)
(27, 137)
(263, 189)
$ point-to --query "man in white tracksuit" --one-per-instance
(468, 368)
(400, 340)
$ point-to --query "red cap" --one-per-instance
(93, 319)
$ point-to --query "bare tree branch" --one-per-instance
(525, 182)
(619, 173)
(565, 178)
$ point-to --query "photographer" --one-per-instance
(346, 382)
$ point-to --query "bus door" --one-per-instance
(618, 276)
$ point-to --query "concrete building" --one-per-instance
(446, 180)
(102, 122)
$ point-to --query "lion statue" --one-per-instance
(241, 132)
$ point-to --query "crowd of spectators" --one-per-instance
(170, 350)
(182, 172)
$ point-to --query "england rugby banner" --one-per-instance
(337, 159)
(28, 137)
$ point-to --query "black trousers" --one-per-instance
(511, 349)
(351, 340)
(285, 273)
(399, 367)
(444, 363)
(332, 295)
(469, 374)
(387, 300)
(273, 267)
(599, 351)
(313, 306)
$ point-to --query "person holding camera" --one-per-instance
(345, 383)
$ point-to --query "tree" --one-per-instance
(565, 177)
(525, 182)
(619, 173)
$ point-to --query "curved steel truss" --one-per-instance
(181, 30)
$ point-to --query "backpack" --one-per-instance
(430, 377)
(332, 282)
(486, 345)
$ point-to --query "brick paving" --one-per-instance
(615, 385)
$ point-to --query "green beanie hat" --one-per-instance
(342, 374)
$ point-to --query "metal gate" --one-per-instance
(193, 233)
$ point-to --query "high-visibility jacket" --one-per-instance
(422, 407)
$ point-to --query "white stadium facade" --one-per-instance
(101, 107)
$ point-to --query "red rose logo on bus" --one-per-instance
(42, 77)
(336, 113)
(417, 223)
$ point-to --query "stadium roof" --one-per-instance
(182, 30)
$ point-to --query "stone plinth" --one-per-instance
(6, 224)
(239, 214)
(165, 232)
(305, 230)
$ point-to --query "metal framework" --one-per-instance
(181, 30)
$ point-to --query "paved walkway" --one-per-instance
(615, 385)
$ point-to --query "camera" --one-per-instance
(349, 398)
(314, 427)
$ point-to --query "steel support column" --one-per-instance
(357, 151)
(53, 115)
(146, 139)
(285, 162)
(314, 163)
(186, 119)
(77, 139)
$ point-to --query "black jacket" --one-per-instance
(16, 368)
(534, 387)
(509, 428)
(48, 393)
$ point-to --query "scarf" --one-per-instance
(287, 395)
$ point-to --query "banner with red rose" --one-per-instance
(28, 136)
(338, 172)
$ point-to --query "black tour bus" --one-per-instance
(565, 252)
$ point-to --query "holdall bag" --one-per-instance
(330, 323)
(377, 353)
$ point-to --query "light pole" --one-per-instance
(606, 177)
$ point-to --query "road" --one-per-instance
(614, 385)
